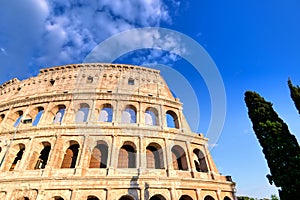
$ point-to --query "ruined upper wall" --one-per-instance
(93, 77)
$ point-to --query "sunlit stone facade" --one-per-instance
(101, 131)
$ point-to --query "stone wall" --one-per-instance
(100, 131)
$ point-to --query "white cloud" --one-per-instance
(54, 32)
(3, 51)
(167, 47)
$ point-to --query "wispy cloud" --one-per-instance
(46, 33)
(3, 51)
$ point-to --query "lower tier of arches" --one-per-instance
(116, 189)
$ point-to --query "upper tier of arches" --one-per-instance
(114, 112)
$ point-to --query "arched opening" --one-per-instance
(40, 111)
(227, 198)
(43, 157)
(199, 161)
(179, 158)
(92, 198)
(208, 197)
(71, 154)
(59, 114)
(172, 119)
(89, 79)
(129, 114)
(18, 117)
(157, 197)
(2, 116)
(106, 113)
(126, 197)
(58, 198)
(23, 198)
(151, 117)
(185, 197)
(154, 156)
(130, 81)
(99, 155)
(82, 113)
(127, 156)
(18, 157)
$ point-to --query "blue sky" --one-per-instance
(255, 45)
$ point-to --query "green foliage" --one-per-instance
(245, 198)
(295, 94)
(279, 146)
(274, 197)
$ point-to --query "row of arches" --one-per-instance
(91, 197)
(128, 197)
(105, 114)
(98, 157)
(161, 197)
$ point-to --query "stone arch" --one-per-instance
(179, 158)
(23, 198)
(208, 197)
(82, 113)
(106, 113)
(39, 160)
(172, 119)
(154, 156)
(227, 198)
(185, 197)
(99, 155)
(92, 197)
(127, 155)
(199, 161)
(151, 116)
(2, 116)
(57, 113)
(16, 155)
(57, 198)
(129, 114)
(157, 197)
(14, 119)
(126, 197)
(34, 116)
(70, 157)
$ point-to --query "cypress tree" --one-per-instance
(295, 94)
(279, 146)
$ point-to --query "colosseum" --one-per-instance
(101, 131)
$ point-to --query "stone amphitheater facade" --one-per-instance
(101, 131)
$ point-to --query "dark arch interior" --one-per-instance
(185, 197)
(126, 197)
(157, 197)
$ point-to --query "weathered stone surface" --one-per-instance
(99, 131)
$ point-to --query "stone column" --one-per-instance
(81, 164)
(142, 193)
(26, 156)
(219, 195)
(167, 156)
(180, 121)
(190, 158)
(198, 193)
(73, 194)
(112, 157)
(139, 116)
(173, 194)
(162, 117)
